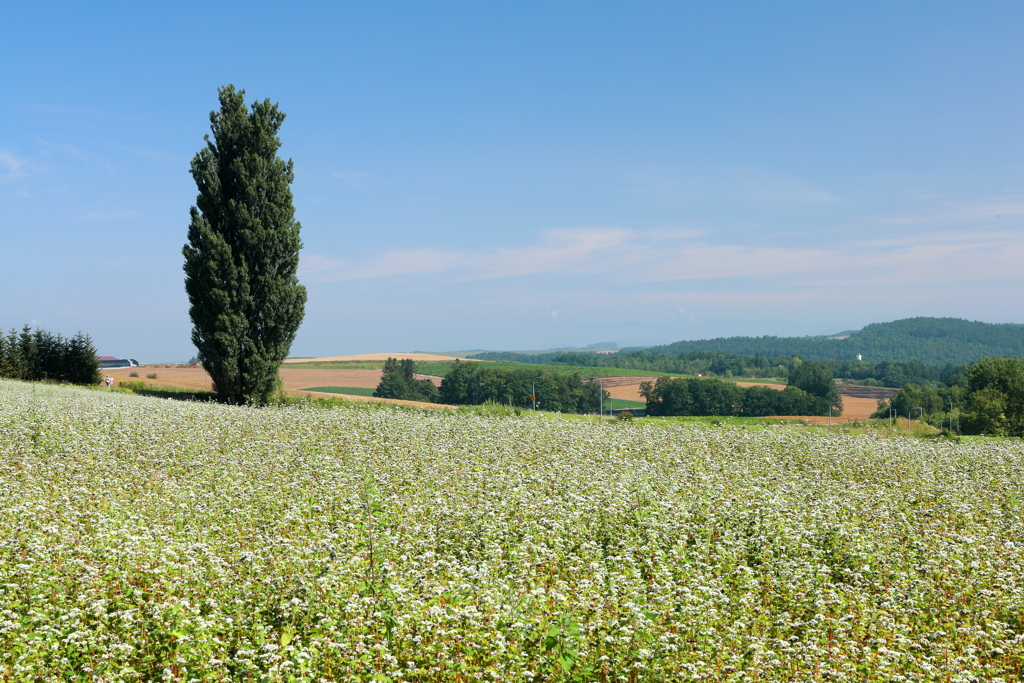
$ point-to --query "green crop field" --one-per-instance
(335, 365)
(351, 391)
(619, 403)
(148, 539)
(440, 368)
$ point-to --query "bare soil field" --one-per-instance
(858, 402)
(627, 387)
(292, 379)
(373, 357)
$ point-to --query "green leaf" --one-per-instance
(286, 636)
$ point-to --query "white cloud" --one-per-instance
(13, 167)
(561, 249)
(950, 244)
(630, 257)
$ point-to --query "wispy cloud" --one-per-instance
(630, 257)
(569, 250)
(13, 167)
(63, 148)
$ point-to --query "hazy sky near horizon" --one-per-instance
(527, 175)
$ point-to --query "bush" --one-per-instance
(475, 383)
(398, 381)
(702, 397)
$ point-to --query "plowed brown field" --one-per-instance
(374, 357)
(293, 381)
(627, 387)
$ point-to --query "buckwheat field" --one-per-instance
(146, 539)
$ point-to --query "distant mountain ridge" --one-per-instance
(934, 341)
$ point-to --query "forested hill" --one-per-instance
(934, 341)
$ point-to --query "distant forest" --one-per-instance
(919, 350)
(728, 365)
(933, 341)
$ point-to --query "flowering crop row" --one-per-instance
(145, 539)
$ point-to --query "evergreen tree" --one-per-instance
(84, 364)
(245, 299)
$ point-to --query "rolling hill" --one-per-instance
(934, 341)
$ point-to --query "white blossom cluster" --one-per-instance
(145, 539)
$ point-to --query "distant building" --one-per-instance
(111, 363)
(860, 357)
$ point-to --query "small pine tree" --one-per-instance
(242, 255)
(83, 361)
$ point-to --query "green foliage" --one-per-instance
(935, 340)
(38, 355)
(722, 364)
(817, 380)
(398, 381)
(245, 299)
(473, 383)
(492, 409)
(988, 398)
(995, 402)
(704, 397)
(150, 540)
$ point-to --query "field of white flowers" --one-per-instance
(146, 539)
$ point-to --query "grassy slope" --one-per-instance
(351, 391)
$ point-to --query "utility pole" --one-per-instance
(533, 390)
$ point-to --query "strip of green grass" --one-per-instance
(351, 391)
(620, 403)
(335, 365)
(440, 368)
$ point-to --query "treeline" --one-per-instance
(986, 398)
(477, 383)
(38, 355)
(811, 391)
(398, 381)
(939, 341)
(721, 364)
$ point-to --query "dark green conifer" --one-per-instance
(242, 255)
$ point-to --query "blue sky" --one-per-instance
(527, 175)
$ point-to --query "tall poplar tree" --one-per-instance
(245, 299)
